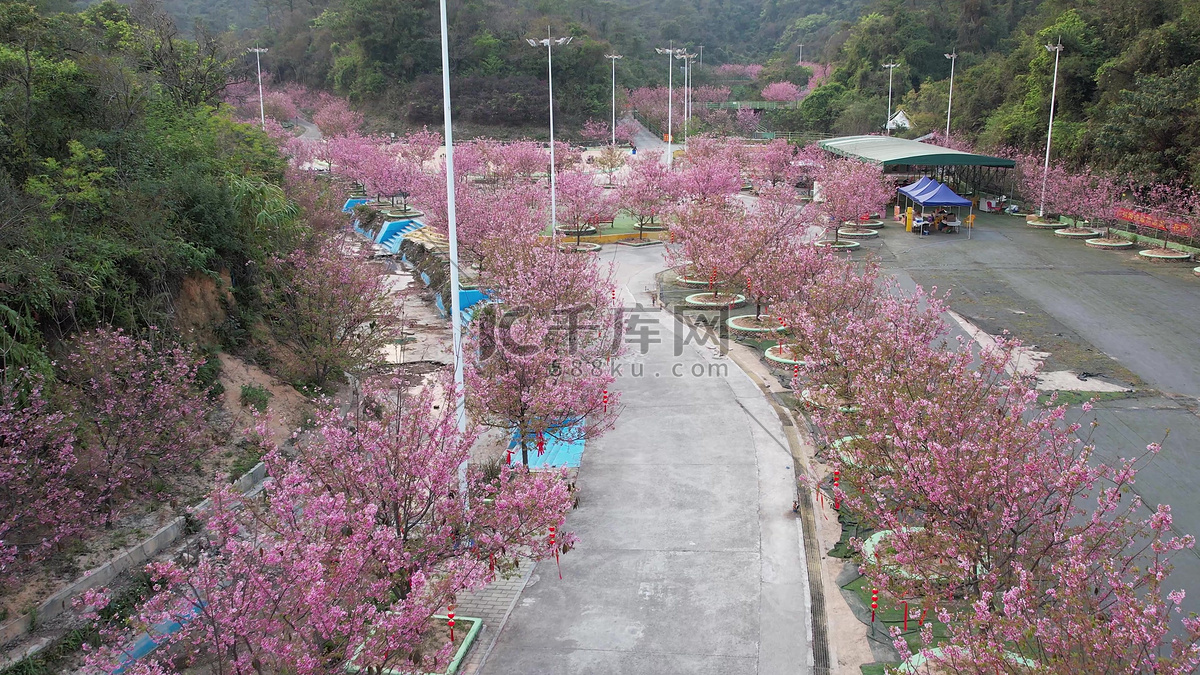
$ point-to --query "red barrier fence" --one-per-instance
(1176, 227)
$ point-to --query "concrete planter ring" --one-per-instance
(778, 357)
(1196, 271)
(651, 227)
(856, 232)
(1077, 233)
(1108, 244)
(748, 325)
(1044, 224)
(696, 283)
(469, 624)
(1165, 255)
(720, 301)
(572, 232)
(584, 247)
(838, 245)
(873, 223)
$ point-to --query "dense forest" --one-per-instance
(1128, 96)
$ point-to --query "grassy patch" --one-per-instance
(876, 668)
(891, 614)
(255, 396)
(1078, 397)
(249, 455)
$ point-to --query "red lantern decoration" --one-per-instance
(837, 501)
(541, 444)
(554, 546)
(874, 603)
(450, 621)
(605, 400)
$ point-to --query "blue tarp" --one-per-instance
(557, 453)
(942, 196)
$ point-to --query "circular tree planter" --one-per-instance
(864, 223)
(1165, 255)
(719, 301)
(1106, 244)
(856, 232)
(920, 662)
(838, 245)
(650, 227)
(748, 325)
(1044, 224)
(1077, 233)
(572, 232)
(696, 283)
(584, 247)
(1196, 271)
(778, 358)
(839, 448)
(817, 400)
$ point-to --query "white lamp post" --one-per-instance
(460, 411)
(701, 48)
(549, 42)
(1057, 49)
(682, 55)
(801, 54)
(613, 58)
(670, 52)
(950, 102)
(262, 115)
(887, 128)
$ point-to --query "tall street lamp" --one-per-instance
(670, 52)
(950, 102)
(262, 115)
(801, 54)
(548, 43)
(1057, 49)
(701, 48)
(687, 58)
(460, 412)
(613, 58)
(887, 128)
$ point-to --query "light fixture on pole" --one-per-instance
(613, 58)
(1057, 49)
(887, 128)
(549, 43)
(950, 101)
(684, 56)
(262, 114)
(460, 411)
(670, 52)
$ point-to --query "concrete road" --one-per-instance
(1124, 318)
(690, 559)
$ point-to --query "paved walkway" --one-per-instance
(689, 558)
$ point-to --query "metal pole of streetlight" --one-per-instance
(550, 42)
(950, 102)
(801, 54)
(887, 128)
(1057, 49)
(701, 56)
(262, 114)
(460, 410)
(670, 52)
(613, 58)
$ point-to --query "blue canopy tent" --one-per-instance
(936, 194)
(909, 190)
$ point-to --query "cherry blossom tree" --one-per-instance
(582, 204)
(610, 160)
(774, 163)
(627, 129)
(539, 357)
(138, 414)
(40, 505)
(649, 190)
(595, 131)
(850, 189)
(334, 116)
(358, 543)
(747, 120)
(781, 91)
(329, 307)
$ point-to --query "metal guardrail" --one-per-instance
(753, 105)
